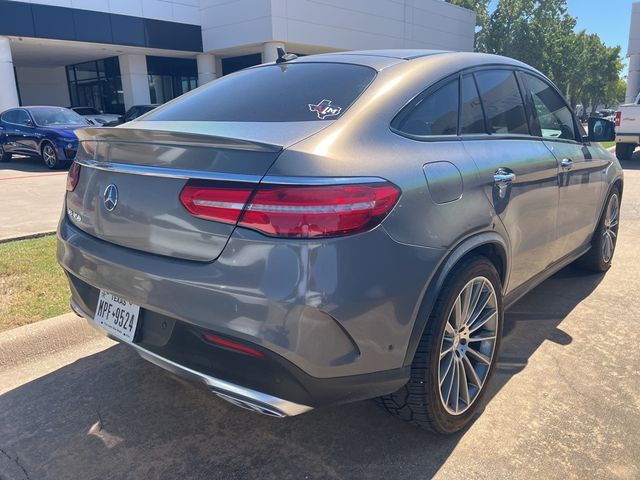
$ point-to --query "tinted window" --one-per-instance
(472, 119)
(434, 114)
(275, 93)
(16, 116)
(554, 117)
(86, 111)
(502, 102)
(131, 114)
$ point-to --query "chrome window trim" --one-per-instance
(168, 172)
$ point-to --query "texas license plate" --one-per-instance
(117, 316)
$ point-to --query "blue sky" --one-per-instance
(608, 18)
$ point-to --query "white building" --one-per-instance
(111, 54)
(633, 52)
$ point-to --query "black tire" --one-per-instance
(624, 151)
(596, 259)
(49, 156)
(4, 156)
(420, 401)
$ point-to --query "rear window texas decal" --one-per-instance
(324, 109)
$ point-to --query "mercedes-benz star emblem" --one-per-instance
(110, 197)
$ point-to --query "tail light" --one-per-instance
(298, 211)
(231, 345)
(618, 115)
(222, 202)
(73, 176)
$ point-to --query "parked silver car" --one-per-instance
(337, 227)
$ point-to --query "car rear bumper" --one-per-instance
(333, 318)
(238, 395)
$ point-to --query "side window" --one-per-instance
(472, 119)
(9, 116)
(502, 102)
(434, 114)
(131, 114)
(22, 117)
(15, 116)
(554, 117)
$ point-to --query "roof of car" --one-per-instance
(381, 59)
(399, 53)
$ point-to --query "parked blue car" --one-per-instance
(45, 132)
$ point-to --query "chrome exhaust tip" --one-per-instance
(254, 407)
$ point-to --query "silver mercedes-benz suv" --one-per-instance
(338, 227)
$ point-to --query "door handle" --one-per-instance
(566, 163)
(503, 177)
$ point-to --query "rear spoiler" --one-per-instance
(171, 137)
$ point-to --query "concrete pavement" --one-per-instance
(565, 403)
(31, 196)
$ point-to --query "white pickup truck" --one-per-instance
(627, 129)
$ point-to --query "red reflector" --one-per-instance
(618, 115)
(319, 211)
(215, 201)
(230, 344)
(73, 176)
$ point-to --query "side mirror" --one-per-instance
(28, 123)
(121, 118)
(601, 130)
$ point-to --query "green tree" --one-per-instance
(542, 34)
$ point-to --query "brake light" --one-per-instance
(319, 211)
(618, 116)
(230, 344)
(297, 211)
(73, 176)
(222, 202)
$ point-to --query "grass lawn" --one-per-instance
(607, 144)
(32, 285)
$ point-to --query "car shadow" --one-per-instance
(27, 164)
(112, 415)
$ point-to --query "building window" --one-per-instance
(96, 84)
(170, 77)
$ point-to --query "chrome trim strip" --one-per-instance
(225, 177)
(236, 394)
(319, 180)
(168, 172)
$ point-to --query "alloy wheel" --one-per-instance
(610, 233)
(49, 156)
(468, 345)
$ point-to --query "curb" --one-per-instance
(23, 344)
(29, 236)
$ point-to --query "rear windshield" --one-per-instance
(275, 93)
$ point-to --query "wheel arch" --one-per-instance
(488, 244)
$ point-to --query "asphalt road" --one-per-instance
(565, 403)
(31, 196)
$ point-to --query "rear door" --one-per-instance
(519, 171)
(580, 172)
(20, 137)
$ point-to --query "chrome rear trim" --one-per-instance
(238, 395)
(168, 172)
(279, 180)
(224, 177)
